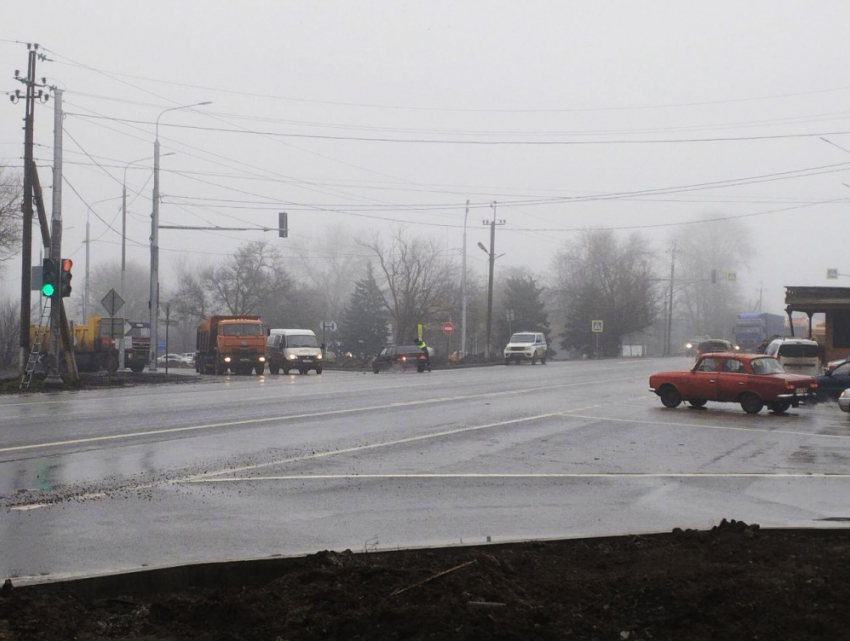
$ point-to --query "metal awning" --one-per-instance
(811, 300)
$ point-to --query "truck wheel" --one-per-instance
(260, 369)
(751, 403)
(318, 370)
(110, 364)
(274, 369)
(137, 368)
(670, 396)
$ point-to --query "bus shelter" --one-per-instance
(834, 303)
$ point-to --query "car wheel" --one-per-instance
(260, 369)
(286, 370)
(751, 403)
(542, 360)
(318, 370)
(698, 402)
(779, 408)
(376, 370)
(670, 397)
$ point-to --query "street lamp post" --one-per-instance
(154, 285)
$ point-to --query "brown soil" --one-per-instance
(734, 582)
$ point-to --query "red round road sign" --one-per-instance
(448, 329)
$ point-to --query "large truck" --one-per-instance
(137, 345)
(235, 343)
(94, 348)
(752, 328)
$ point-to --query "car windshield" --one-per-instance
(242, 329)
(522, 338)
(714, 346)
(301, 340)
(763, 366)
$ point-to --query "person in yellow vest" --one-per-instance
(424, 348)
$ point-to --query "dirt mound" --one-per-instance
(735, 581)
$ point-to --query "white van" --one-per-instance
(288, 349)
(797, 355)
(526, 346)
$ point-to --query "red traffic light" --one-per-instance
(67, 263)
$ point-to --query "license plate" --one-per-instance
(308, 360)
(802, 390)
(244, 360)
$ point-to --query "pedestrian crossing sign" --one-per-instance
(596, 326)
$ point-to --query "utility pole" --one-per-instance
(761, 295)
(493, 257)
(463, 289)
(26, 209)
(667, 346)
(88, 263)
(53, 378)
(154, 284)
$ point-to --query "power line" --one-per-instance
(251, 94)
(455, 141)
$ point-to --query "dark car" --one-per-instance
(714, 345)
(400, 357)
(835, 381)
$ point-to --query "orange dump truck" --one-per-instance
(235, 343)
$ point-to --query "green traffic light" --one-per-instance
(47, 289)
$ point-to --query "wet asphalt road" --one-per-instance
(244, 467)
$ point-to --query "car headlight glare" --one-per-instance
(226, 359)
(262, 359)
(292, 357)
(319, 356)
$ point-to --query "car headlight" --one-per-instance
(843, 394)
(319, 356)
(262, 359)
(226, 359)
(689, 345)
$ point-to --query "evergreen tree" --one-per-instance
(363, 329)
(523, 310)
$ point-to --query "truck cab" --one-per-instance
(234, 343)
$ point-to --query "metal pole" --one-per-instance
(122, 348)
(26, 209)
(53, 378)
(490, 285)
(154, 284)
(668, 346)
(88, 264)
(463, 290)
(167, 325)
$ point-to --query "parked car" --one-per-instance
(844, 401)
(798, 355)
(174, 360)
(188, 359)
(834, 382)
(752, 380)
(400, 357)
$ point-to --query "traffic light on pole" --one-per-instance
(66, 264)
(49, 277)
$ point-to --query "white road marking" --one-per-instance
(29, 506)
(707, 426)
(292, 417)
(541, 475)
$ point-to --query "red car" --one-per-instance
(753, 380)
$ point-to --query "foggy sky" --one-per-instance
(614, 74)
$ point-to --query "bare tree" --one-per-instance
(710, 308)
(243, 282)
(10, 213)
(601, 278)
(331, 265)
(10, 319)
(419, 280)
(191, 300)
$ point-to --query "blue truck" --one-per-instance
(752, 328)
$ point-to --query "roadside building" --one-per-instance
(834, 303)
